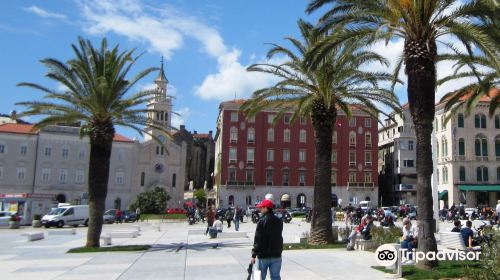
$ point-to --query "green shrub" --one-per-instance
(383, 235)
(37, 217)
(151, 202)
(489, 267)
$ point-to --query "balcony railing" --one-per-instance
(240, 184)
(360, 184)
(481, 158)
(352, 164)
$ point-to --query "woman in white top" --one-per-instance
(410, 237)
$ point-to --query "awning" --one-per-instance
(443, 195)
(285, 197)
(480, 188)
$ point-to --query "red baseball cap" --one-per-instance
(265, 203)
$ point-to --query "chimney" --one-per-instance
(182, 127)
(210, 133)
(195, 132)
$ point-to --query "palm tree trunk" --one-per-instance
(321, 223)
(421, 71)
(101, 141)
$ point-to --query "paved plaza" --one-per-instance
(198, 258)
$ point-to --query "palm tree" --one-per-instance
(422, 24)
(337, 85)
(96, 88)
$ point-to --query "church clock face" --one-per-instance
(159, 168)
(161, 138)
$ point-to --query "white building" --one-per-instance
(467, 164)
(396, 160)
(54, 161)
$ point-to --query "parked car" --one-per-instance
(4, 218)
(471, 213)
(109, 216)
(129, 216)
(73, 215)
(176, 211)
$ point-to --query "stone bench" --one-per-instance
(62, 232)
(33, 236)
(123, 234)
(454, 241)
(235, 234)
(364, 245)
(106, 239)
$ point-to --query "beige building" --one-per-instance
(467, 161)
(54, 161)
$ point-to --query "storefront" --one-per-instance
(27, 205)
(480, 195)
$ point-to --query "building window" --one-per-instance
(303, 120)
(286, 135)
(287, 118)
(286, 177)
(437, 148)
(352, 122)
(445, 174)
(143, 179)
(286, 155)
(302, 136)
(408, 163)
(461, 147)
(302, 155)
(410, 145)
(481, 146)
(460, 120)
(269, 177)
(480, 121)
(232, 154)
(24, 149)
(333, 178)
(352, 177)
(234, 116)
(46, 175)
(498, 174)
(334, 156)
(368, 122)
(48, 151)
(63, 175)
(443, 124)
(251, 119)
(21, 173)
(233, 134)
(352, 159)
(437, 175)
(81, 155)
(436, 125)
(270, 155)
(270, 135)
(461, 174)
(1, 172)
(232, 174)
(334, 137)
(482, 174)
(497, 147)
(249, 176)
(270, 118)
(3, 150)
(302, 178)
(174, 180)
(368, 158)
(368, 140)
(79, 176)
(250, 155)
(497, 121)
(368, 177)
(251, 135)
(444, 147)
(65, 153)
(157, 150)
(352, 139)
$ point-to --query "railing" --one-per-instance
(481, 158)
(352, 164)
(360, 184)
(368, 164)
(250, 141)
(230, 184)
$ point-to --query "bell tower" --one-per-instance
(161, 104)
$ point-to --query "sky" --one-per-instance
(206, 45)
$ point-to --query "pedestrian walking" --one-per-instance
(229, 217)
(238, 214)
(268, 241)
(210, 218)
(137, 214)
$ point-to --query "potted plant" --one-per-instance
(37, 221)
(14, 222)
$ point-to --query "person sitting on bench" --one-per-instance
(216, 228)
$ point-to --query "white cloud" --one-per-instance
(181, 117)
(45, 14)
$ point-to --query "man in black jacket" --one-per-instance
(268, 242)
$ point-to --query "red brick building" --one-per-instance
(253, 158)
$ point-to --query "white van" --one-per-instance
(72, 215)
(365, 205)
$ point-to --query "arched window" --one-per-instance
(270, 135)
(368, 140)
(286, 135)
(248, 200)
(61, 198)
(480, 121)
(460, 120)
(143, 179)
(161, 116)
(174, 180)
(498, 173)
(231, 200)
(481, 146)
(497, 147)
(302, 136)
(166, 116)
(233, 134)
(443, 124)
(445, 174)
(334, 137)
(482, 174)
(251, 135)
(497, 121)
(461, 174)
(444, 147)
(461, 147)
(352, 139)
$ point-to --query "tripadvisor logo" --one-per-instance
(387, 255)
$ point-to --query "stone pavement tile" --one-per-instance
(32, 275)
(160, 264)
(95, 271)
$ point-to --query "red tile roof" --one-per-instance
(17, 128)
(486, 98)
(201, 135)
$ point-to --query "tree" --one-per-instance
(201, 196)
(336, 85)
(95, 96)
(151, 202)
(422, 24)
